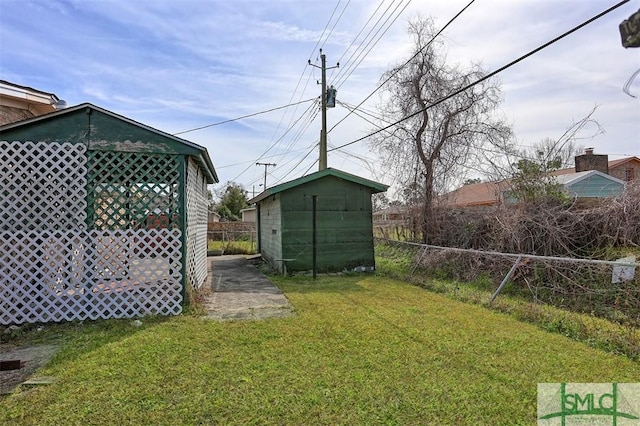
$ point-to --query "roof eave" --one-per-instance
(203, 155)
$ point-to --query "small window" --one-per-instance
(274, 231)
(629, 175)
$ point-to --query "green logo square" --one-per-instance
(577, 404)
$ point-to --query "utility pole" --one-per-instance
(254, 190)
(265, 171)
(325, 94)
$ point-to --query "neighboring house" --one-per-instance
(391, 214)
(19, 103)
(481, 194)
(100, 217)
(626, 169)
(583, 186)
(612, 175)
(248, 214)
(213, 216)
(322, 220)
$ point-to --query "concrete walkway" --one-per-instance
(237, 290)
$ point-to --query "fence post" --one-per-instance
(415, 266)
(506, 278)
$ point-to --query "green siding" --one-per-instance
(110, 134)
(73, 128)
(595, 186)
(344, 227)
(100, 131)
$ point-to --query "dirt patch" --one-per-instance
(31, 357)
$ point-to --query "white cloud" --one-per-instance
(180, 65)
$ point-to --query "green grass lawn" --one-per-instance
(233, 247)
(360, 350)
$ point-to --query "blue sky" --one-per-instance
(176, 65)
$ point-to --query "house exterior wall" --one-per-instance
(271, 229)
(10, 114)
(595, 187)
(19, 103)
(627, 172)
(249, 215)
(344, 226)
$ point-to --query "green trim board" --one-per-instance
(104, 130)
(375, 186)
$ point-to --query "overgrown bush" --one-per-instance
(607, 230)
(549, 228)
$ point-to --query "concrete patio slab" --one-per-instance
(237, 290)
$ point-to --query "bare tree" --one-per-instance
(530, 171)
(556, 153)
(444, 134)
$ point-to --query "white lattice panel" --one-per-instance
(196, 225)
(133, 190)
(43, 186)
(71, 274)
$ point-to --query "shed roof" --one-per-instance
(202, 156)
(375, 186)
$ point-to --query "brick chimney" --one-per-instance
(591, 161)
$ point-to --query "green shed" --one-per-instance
(320, 222)
(100, 217)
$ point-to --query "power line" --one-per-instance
(243, 117)
(492, 74)
(358, 35)
(274, 144)
(292, 123)
(363, 54)
(335, 23)
(303, 72)
(325, 28)
(313, 148)
(301, 130)
(366, 37)
(361, 111)
(405, 64)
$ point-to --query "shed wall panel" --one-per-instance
(271, 229)
(343, 221)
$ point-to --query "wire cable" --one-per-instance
(242, 117)
(335, 23)
(325, 28)
(313, 148)
(406, 63)
(361, 57)
(486, 77)
(272, 145)
(356, 37)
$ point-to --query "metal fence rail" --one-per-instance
(606, 288)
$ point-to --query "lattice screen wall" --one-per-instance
(196, 225)
(87, 234)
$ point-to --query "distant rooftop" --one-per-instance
(32, 102)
